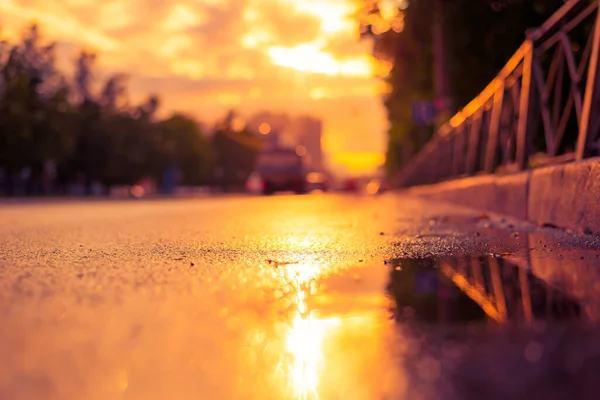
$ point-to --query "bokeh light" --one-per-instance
(264, 128)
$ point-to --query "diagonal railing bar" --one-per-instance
(494, 129)
(572, 68)
(560, 131)
(483, 138)
(515, 92)
(549, 132)
(561, 15)
(554, 72)
(581, 17)
(591, 101)
(507, 128)
(558, 89)
(564, 119)
(587, 51)
(567, 27)
(474, 133)
(524, 111)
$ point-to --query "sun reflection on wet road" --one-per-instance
(305, 343)
(330, 334)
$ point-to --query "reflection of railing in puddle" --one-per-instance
(503, 290)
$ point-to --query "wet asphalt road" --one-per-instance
(290, 298)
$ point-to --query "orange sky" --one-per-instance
(207, 56)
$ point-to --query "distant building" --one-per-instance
(309, 132)
(267, 123)
(303, 132)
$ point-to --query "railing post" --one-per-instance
(494, 129)
(526, 105)
(457, 150)
(447, 167)
(588, 125)
(474, 137)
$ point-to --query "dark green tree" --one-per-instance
(87, 128)
(235, 149)
(33, 106)
(480, 36)
(184, 145)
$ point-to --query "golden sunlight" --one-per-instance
(302, 273)
(204, 57)
(305, 344)
(60, 26)
(336, 17)
(190, 68)
(173, 45)
(357, 162)
(310, 58)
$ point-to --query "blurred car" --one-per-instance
(317, 181)
(384, 186)
(254, 183)
(281, 169)
(350, 185)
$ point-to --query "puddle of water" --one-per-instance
(497, 326)
(470, 289)
(491, 327)
(506, 326)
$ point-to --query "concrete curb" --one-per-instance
(564, 195)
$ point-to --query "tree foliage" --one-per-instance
(480, 36)
(84, 129)
(235, 152)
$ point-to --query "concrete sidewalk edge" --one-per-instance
(565, 196)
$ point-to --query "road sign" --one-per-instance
(423, 113)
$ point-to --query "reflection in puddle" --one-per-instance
(331, 343)
(305, 343)
(485, 323)
(304, 340)
(467, 289)
(461, 328)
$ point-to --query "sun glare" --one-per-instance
(255, 39)
(335, 17)
(304, 342)
(359, 161)
(260, 55)
(310, 58)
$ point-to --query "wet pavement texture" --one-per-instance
(293, 297)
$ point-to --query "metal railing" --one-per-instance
(507, 291)
(542, 108)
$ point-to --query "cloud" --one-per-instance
(209, 38)
(285, 25)
(213, 54)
